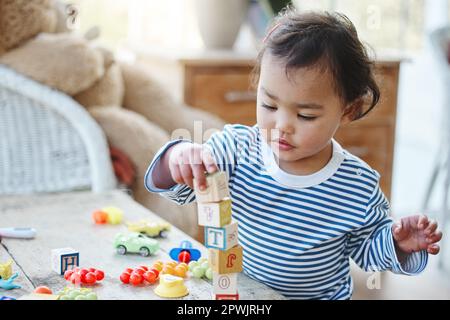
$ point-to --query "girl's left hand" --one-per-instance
(416, 233)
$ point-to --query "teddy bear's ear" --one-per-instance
(23, 20)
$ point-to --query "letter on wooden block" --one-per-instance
(222, 238)
(224, 283)
(216, 189)
(64, 259)
(224, 262)
(214, 214)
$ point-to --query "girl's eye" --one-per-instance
(268, 107)
(307, 118)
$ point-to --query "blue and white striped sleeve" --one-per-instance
(222, 146)
(372, 246)
(179, 193)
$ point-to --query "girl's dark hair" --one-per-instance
(306, 39)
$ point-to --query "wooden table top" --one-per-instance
(64, 220)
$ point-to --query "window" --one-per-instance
(384, 24)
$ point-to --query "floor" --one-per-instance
(418, 128)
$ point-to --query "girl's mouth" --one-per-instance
(284, 145)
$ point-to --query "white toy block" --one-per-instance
(224, 283)
(216, 188)
(64, 259)
(222, 238)
(214, 214)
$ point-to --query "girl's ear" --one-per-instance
(352, 111)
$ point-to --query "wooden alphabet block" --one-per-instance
(216, 188)
(224, 283)
(64, 259)
(222, 238)
(224, 262)
(225, 296)
(214, 214)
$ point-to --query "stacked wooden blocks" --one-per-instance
(221, 235)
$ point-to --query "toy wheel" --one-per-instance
(144, 252)
(121, 250)
(163, 233)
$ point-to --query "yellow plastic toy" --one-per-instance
(171, 287)
(114, 215)
(111, 215)
(6, 270)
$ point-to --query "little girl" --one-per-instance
(304, 205)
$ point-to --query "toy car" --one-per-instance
(134, 242)
(150, 228)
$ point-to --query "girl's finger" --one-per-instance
(435, 237)
(432, 226)
(186, 171)
(423, 222)
(208, 160)
(398, 230)
(433, 249)
(176, 174)
(199, 177)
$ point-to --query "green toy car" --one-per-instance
(134, 242)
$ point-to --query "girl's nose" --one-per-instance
(285, 123)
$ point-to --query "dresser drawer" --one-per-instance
(225, 92)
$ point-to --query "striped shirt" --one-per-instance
(299, 233)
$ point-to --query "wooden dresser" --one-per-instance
(219, 82)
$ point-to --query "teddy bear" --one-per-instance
(136, 113)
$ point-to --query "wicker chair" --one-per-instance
(48, 142)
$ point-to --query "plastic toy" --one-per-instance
(172, 267)
(185, 253)
(171, 287)
(150, 228)
(85, 276)
(111, 215)
(8, 284)
(77, 294)
(6, 270)
(64, 259)
(135, 243)
(201, 269)
(43, 290)
(138, 275)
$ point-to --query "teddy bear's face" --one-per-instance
(21, 20)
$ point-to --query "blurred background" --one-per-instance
(201, 52)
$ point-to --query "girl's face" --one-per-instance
(298, 116)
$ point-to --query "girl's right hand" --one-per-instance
(188, 161)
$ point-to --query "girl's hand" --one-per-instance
(190, 160)
(416, 233)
